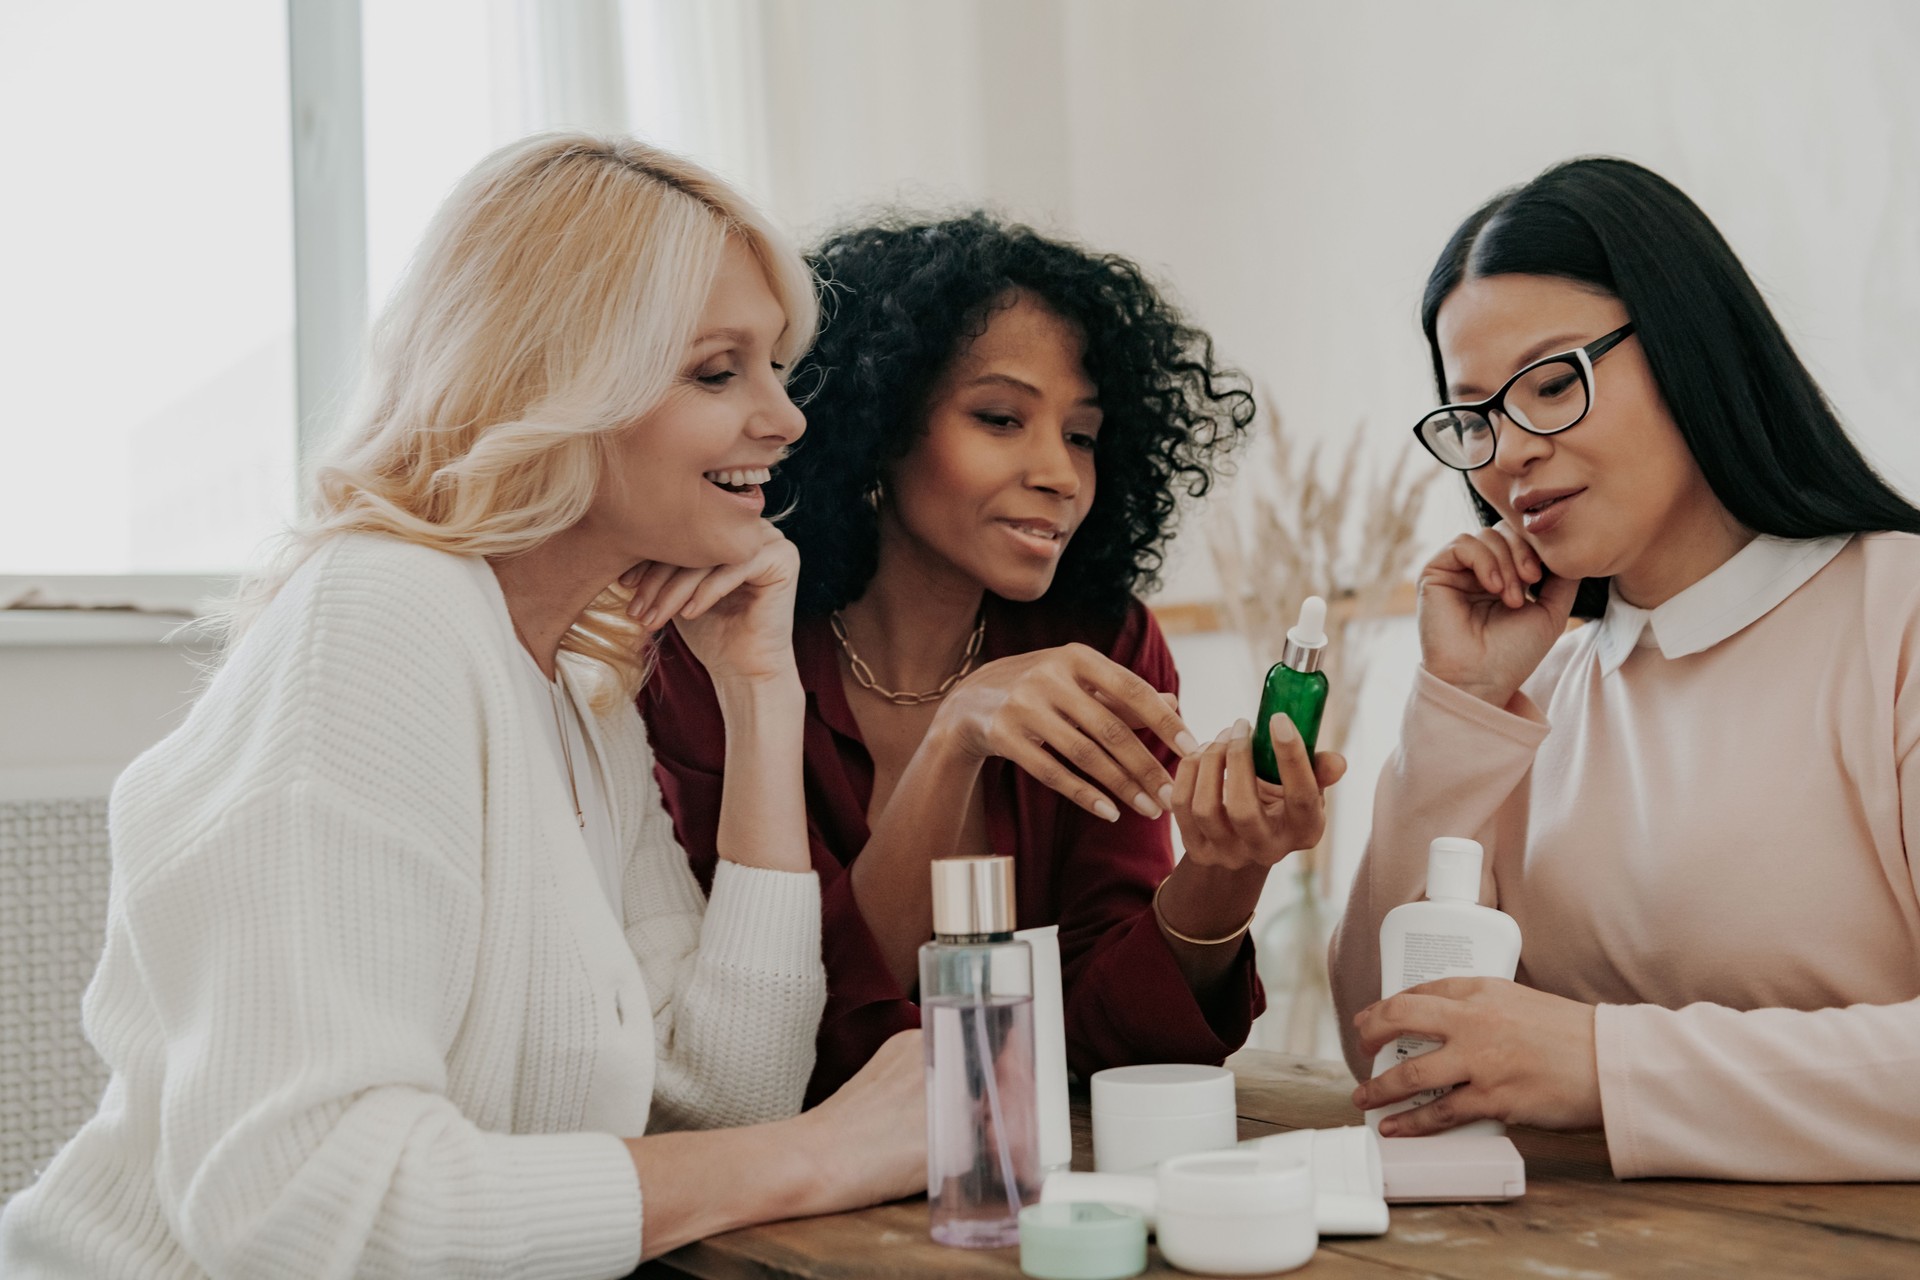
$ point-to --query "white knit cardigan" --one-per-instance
(361, 988)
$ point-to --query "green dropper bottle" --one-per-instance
(1295, 685)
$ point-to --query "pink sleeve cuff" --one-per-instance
(1440, 707)
(1761, 1095)
(1613, 1062)
(1459, 761)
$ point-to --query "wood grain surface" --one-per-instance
(1576, 1222)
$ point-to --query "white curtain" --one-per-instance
(695, 81)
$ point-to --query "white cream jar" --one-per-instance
(1142, 1115)
(1236, 1213)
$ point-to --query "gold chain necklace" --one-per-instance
(554, 691)
(863, 674)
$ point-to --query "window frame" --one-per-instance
(328, 146)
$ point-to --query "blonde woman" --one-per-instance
(402, 958)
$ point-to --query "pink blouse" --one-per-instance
(1704, 818)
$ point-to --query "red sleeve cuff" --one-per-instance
(1131, 1004)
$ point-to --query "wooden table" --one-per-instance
(1576, 1222)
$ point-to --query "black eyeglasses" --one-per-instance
(1548, 396)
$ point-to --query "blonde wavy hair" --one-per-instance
(550, 305)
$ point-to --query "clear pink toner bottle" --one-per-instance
(976, 1005)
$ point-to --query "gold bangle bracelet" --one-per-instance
(1172, 932)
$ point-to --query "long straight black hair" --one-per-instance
(1766, 439)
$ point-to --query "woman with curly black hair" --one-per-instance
(1004, 429)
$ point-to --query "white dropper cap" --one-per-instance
(1453, 869)
(1307, 639)
(1311, 631)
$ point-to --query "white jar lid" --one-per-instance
(1233, 1184)
(1163, 1089)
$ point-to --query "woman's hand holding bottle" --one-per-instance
(1480, 630)
(1507, 1052)
(1232, 820)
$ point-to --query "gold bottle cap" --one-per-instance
(972, 897)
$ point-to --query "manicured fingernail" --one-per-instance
(1166, 796)
(1146, 807)
(646, 620)
(1106, 810)
(1283, 727)
(1187, 743)
(1389, 1127)
(1241, 729)
(1223, 737)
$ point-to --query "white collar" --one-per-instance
(1728, 600)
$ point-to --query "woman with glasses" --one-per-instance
(1703, 806)
(1005, 426)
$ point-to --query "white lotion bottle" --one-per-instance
(1450, 935)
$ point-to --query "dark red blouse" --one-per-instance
(1125, 998)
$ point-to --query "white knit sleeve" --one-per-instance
(310, 962)
(737, 983)
(303, 893)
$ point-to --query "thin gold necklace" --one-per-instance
(554, 689)
(863, 674)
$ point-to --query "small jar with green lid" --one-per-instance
(1082, 1242)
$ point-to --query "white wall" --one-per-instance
(77, 704)
(931, 105)
(1291, 168)
(1296, 167)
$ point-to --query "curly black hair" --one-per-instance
(902, 298)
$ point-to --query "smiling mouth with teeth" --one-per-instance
(740, 479)
(1043, 531)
